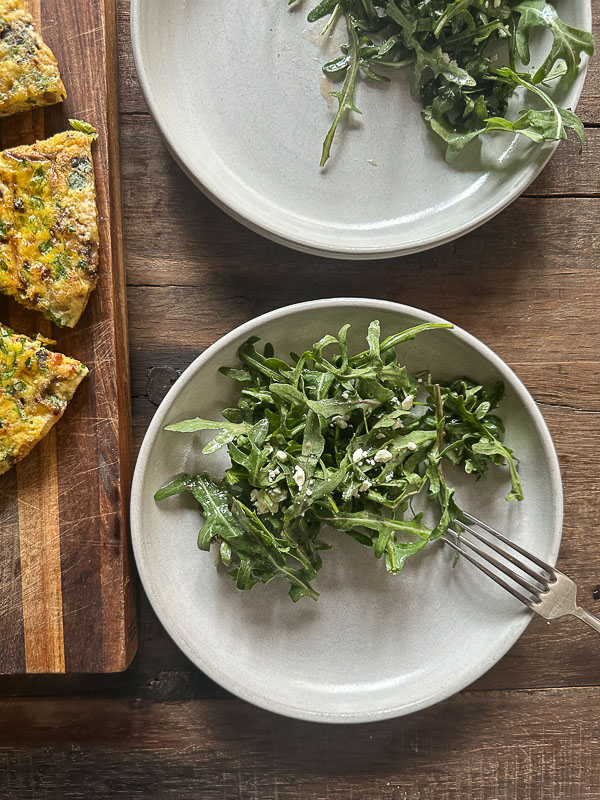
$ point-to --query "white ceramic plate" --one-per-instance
(237, 90)
(374, 645)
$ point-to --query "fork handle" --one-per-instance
(588, 618)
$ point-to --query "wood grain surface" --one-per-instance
(475, 746)
(66, 593)
(528, 284)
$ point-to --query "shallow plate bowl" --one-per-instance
(237, 90)
(374, 645)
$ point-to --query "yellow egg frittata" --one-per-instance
(29, 73)
(49, 226)
(35, 388)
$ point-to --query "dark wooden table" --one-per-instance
(528, 284)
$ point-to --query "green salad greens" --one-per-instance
(467, 57)
(348, 442)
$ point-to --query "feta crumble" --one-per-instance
(341, 420)
(259, 500)
(277, 494)
(358, 455)
(299, 476)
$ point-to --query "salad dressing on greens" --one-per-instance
(348, 442)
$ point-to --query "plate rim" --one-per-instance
(247, 217)
(136, 513)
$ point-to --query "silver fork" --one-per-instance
(550, 595)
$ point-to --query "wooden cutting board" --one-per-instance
(66, 595)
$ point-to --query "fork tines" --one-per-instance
(462, 544)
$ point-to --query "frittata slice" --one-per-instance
(49, 226)
(29, 73)
(35, 387)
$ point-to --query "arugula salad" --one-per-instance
(354, 443)
(466, 59)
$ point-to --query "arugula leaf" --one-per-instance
(404, 336)
(325, 7)
(227, 431)
(491, 448)
(84, 127)
(199, 424)
(338, 405)
(396, 553)
(551, 124)
(176, 486)
(377, 522)
(568, 43)
(345, 96)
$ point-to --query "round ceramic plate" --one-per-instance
(374, 645)
(238, 93)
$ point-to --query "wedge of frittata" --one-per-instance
(29, 73)
(35, 387)
(49, 225)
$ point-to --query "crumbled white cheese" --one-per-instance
(281, 455)
(277, 494)
(268, 448)
(380, 435)
(358, 455)
(407, 403)
(382, 456)
(345, 395)
(273, 473)
(365, 486)
(395, 400)
(341, 421)
(397, 424)
(411, 446)
(258, 499)
(308, 492)
(371, 461)
(299, 476)
(446, 57)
